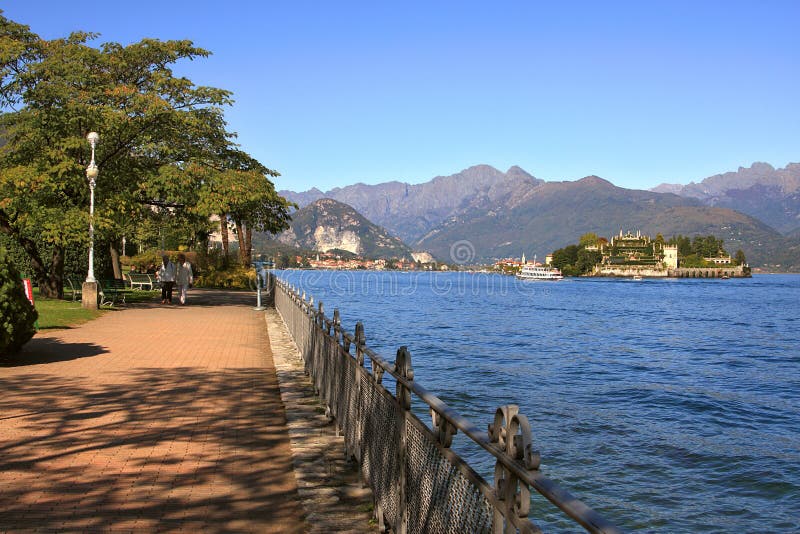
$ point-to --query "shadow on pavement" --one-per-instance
(186, 448)
(206, 298)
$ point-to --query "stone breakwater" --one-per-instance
(630, 271)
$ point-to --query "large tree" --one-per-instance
(238, 188)
(52, 93)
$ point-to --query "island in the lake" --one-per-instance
(636, 255)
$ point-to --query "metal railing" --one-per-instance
(418, 482)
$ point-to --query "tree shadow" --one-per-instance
(39, 351)
(150, 449)
(209, 298)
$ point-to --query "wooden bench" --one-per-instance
(111, 291)
(141, 281)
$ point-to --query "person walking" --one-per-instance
(166, 275)
(183, 277)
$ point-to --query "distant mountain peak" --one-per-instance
(328, 202)
(668, 188)
(595, 181)
(758, 166)
(517, 171)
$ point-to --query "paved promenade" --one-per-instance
(154, 418)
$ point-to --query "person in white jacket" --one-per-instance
(166, 275)
(183, 277)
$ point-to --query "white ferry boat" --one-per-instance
(538, 272)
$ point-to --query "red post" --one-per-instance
(28, 289)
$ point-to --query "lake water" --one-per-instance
(666, 405)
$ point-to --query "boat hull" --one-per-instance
(541, 274)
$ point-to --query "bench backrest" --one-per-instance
(74, 283)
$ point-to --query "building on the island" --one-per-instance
(548, 259)
(637, 249)
(625, 248)
(629, 254)
(720, 260)
(670, 256)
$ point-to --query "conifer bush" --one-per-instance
(17, 315)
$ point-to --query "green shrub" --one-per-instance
(232, 278)
(17, 315)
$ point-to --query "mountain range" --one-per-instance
(410, 211)
(481, 213)
(762, 191)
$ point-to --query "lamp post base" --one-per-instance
(89, 296)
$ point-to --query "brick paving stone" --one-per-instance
(153, 418)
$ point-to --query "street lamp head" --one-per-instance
(93, 138)
(92, 171)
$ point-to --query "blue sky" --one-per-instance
(333, 93)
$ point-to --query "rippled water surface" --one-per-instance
(669, 406)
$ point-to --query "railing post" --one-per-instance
(402, 366)
(511, 433)
(337, 325)
(361, 340)
(329, 373)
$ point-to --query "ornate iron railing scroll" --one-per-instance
(419, 484)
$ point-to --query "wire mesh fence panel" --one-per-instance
(440, 496)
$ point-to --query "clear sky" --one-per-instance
(330, 93)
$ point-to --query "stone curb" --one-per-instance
(331, 492)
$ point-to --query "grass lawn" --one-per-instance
(54, 313)
(62, 313)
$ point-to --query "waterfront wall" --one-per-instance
(710, 272)
(629, 271)
(419, 483)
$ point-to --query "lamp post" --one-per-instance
(89, 294)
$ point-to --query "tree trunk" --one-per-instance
(223, 230)
(115, 261)
(242, 245)
(201, 247)
(55, 279)
(249, 242)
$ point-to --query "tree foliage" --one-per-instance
(575, 260)
(588, 239)
(163, 142)
(565, 258)
(701, 246)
